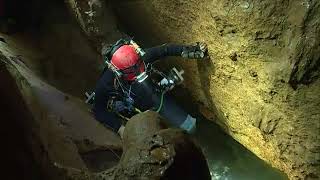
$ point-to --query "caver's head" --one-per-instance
(128, 62)
(125, 59)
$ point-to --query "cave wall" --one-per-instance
(43, 53)
(262, 80)
(16, 131)
(24, 130)
(56, 48)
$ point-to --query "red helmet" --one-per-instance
(128, 61)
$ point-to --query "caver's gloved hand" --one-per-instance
(189, 124)
(199, 51)
(127, 104)
(118, 106)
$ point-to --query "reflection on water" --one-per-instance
(229, 160)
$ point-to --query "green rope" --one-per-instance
(137, 110)
(161, 103)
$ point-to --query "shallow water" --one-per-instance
(229, 160)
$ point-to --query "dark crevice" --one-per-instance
(100, 160)
(18, 161)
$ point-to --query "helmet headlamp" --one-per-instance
(141, 77)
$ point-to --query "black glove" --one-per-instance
(126, 104)
(129, 104)
(199, 51)
(119, 106)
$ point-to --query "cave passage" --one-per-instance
(227, 159)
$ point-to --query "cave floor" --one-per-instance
(228, 160)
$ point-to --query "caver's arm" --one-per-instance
(197, 51)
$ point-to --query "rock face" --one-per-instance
(155, 153)
(262, 81)
(96, 19)
(46, 128)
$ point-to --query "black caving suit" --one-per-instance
(143, 94)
